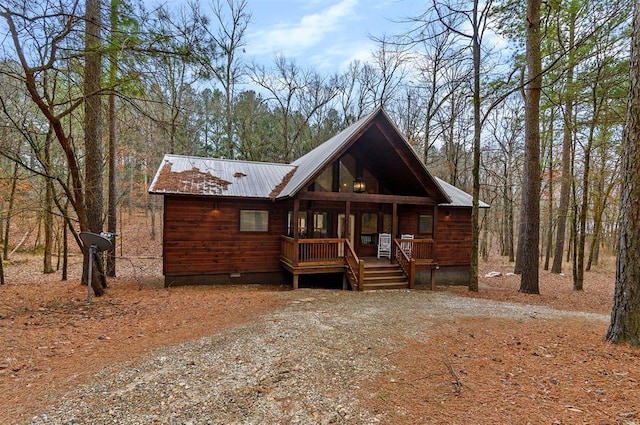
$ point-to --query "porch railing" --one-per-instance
(310, 252)
(421, 250)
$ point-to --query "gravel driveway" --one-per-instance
(302, 364)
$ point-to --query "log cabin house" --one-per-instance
(324, 217)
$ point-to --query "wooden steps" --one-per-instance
(384, 276)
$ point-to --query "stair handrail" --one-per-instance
(407, 263)
(355, 267)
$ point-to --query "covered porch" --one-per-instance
(337, 255)
(322, 240)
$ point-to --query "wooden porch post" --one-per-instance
(435, 220)
(361, 275)
(296, 237)
(347, 213)
(310, 233)
(433, 279)
(394, 221)
(296, 216)
(412, 274)
(394, 231)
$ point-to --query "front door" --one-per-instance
(341, 227)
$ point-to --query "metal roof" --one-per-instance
(189, 175)
(459, 198)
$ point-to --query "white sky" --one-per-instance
(322, 34)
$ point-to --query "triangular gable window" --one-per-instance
(342, 177)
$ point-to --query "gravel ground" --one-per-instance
(303, 364)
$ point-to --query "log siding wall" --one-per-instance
(202, 240)
(453, 237)
(199, 239)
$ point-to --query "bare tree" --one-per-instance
(607, 178)
(506, 129)
(347, 89)
(296, 95)
(38, 40)
(228, 43)
(455, 17)
(176, 65)
(438, 63)
(385, 74)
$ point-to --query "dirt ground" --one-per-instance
(493, 370)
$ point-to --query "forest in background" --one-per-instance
(178, 81)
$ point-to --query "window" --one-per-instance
(320, 224)
(369, 223)
(254, 221)
(347, 173)
(324, 181)
(302, 224)
(425, 223)
(387, 223)
(372, 183)
(341, 175)
(369, 228)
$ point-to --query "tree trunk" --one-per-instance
(530, 259)
(485, 246)
(65, 246)
(152, 207)
(131, 175)
(48, 229)
(477, 129)
(1, 223)
(112, 214)
(547, 255)
(625, 315)
(517, 267)
(592, 258)
(48, 210)
(510, 235)
(93, 135)
(597, 102)
(573, 243)
(567, 136)
(12, 195)
(508, 201)
(1, 271)
(578, 276)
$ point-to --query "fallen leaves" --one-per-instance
(51, 340)
(519, 371)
